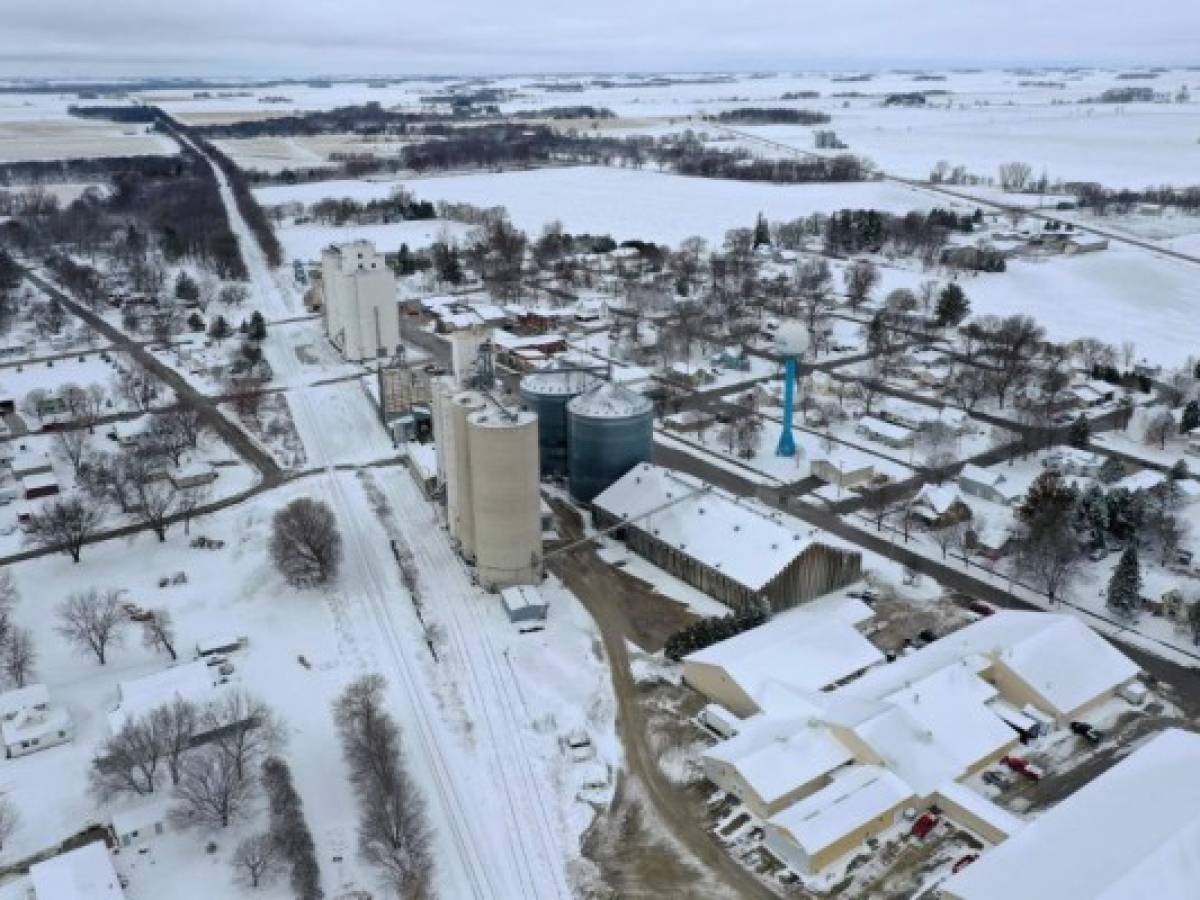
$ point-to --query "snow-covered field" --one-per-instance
(629, 203)
(306, 242)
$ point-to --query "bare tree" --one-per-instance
(93, 620)
(137, 387)
(127, 763)
(157, 503)
(66, 524)
(257, 860)
(72, 444)
(393, 833)
(1160, 427)
(175, 725)
(242, 728)
(190, 501)
(158, 633)
(860, 278)
(18, 656)
(1014, 176)
(305, 544)
(211, 789)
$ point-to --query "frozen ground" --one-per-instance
(306, 242)
(628, 203)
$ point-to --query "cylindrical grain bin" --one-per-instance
(547, 394)
(611, 430)
(506, 497)
(458, 469)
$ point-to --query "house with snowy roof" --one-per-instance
(735, 550)
(85, 873)
(1130, 833)
(29, 722)
(991, 485)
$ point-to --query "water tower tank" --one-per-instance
(547, 394)
(611, 430)
(458, 469)
(505, 497)
(792, 339)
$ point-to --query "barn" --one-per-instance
(735, 550)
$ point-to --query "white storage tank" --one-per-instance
(505, 497)
(458, 469)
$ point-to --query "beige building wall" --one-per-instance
(781, 842)
(715, 684)
(728, 778)
(962, 816)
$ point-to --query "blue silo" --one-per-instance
(547, 394)
(611, 430)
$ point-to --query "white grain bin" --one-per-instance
(458, 469)
(505, 495)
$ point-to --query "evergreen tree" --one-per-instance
(952, 305)
(257, 331)
(404, 261)
(1191, 416)
(1112, 470)
(186, 287)
(219, 329)
(1125, 587)
(1080, 432)
(762, 232)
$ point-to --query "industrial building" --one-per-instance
(734, 550)
(1130, 833)
(827, 766)
(362, 317)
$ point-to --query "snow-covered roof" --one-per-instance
(775, 756)
(34, 724)
(748, 544)
(1129, 834)
(799, 649)
(189, 681)
(856, 795)
(609, 401)
(83, 874)
(872, 425)
(940, 498)
(1058, 656)
(424, 458)
(127, 821)
(983, 808)
(1067, 663)
(39, 481)
(1142, 480)
(28, 697)
(845, 458)
(522, 596)
(559, 382)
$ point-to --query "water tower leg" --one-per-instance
(787, 443)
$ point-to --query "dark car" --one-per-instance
(927, 635)
(963, 862)
(1087, 732)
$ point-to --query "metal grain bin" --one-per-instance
(610, 430)
(547, 394)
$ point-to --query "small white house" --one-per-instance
(139, 826)
(86, 873)
(28, 722)
(193, 475)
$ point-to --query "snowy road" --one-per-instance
(495, 835)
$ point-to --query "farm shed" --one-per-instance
(734, 550)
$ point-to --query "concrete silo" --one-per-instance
(457, 454)
(611, 430)
(547, 394)
(505, 497)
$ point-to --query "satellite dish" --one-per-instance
(792, 339)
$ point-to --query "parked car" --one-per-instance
(978, 606)
(997, 779)
(1087, 732)
(927, 635)
(1024, 767)
(925, 824)
(963, 862)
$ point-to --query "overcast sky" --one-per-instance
(306, 37)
